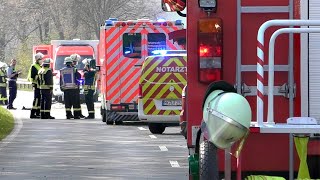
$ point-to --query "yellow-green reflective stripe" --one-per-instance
(76, 109)
(68, 109)
(46, 86)
(3, 85)
(90, 111)
(44, 110)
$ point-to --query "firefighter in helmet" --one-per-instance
(3, 84)
(45, 77)
(33, 78)
(75, 59)
(89, 86)
(69, 86)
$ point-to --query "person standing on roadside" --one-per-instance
(12, 75)
(33, 78)
(75, 59)
(46, 86)
(89, 86)
(3, 84)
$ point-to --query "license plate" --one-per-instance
(171, 103)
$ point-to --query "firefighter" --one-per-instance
(45, 84)
(75, 59)
(3, 84)
(89, 87)
(33, 78)
(68, 85)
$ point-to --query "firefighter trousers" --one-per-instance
(70, 101)
(89, 102)
(35, 111)
(78, 102)
(3, 96)
(46, 101)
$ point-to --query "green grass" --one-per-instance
(6, 123)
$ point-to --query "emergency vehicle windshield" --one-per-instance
(59, 63)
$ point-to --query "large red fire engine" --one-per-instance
(123, 47)
(222, 45)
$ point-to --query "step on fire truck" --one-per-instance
(123, 47)
(226, 41)
(59, 49)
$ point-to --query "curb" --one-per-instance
(18, 124)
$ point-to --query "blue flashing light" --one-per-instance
(161, 20)
(109, 23)
(113, 19)
(178, 22)
(159, 52)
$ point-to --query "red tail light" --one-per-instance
(210, 49)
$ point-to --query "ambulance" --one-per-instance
(161, 82)
(123, 47)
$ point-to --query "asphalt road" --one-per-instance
(88, 149)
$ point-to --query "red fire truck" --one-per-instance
(123, 47)
(59, 49)
(222, 45)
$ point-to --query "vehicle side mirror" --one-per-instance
(173, 5)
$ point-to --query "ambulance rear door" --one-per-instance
(162, 81)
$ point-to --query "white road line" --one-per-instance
(142, 128)
(18, 126)
(152, 136)
(174, 164)
(163, 148)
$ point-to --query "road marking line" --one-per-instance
(18, 126)
(152, 136)
(174, 164)
(163, 148)
(142, 128)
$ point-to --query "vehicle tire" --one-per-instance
(156, 128)
(109, 122)
(208, 161)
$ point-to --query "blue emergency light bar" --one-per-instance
(159, 52)
(178, 22)
(109, 23)
(113, 19)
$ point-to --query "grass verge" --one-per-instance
(6, 123)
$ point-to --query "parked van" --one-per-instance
(160, 90)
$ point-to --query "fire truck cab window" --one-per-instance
(156, 41)
(132, 45)
(59, 62)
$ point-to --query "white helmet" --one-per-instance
(47, 61)
(3, 65)
(67, 60)
(38, 56)
(86, 61)
(75, 57)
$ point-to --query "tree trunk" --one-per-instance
(2, 45)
